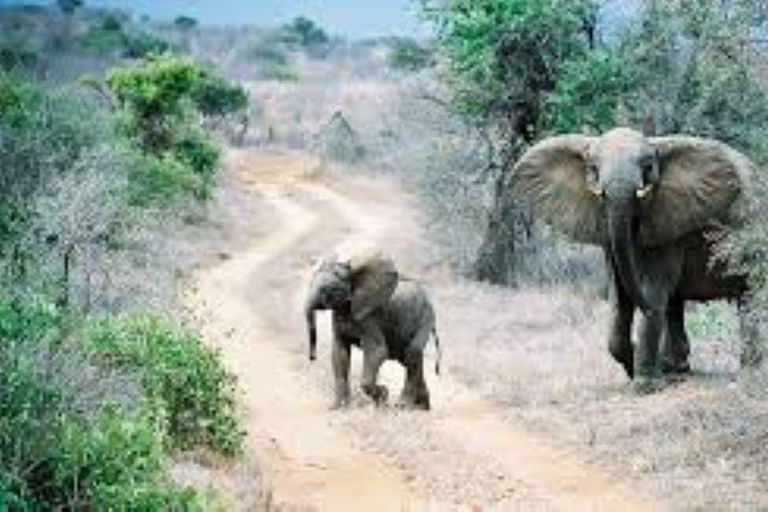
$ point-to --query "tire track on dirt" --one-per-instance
(310, 454)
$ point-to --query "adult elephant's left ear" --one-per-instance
(699, 183)
(552, 177)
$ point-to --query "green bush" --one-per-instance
(154, 97)
(43, 134)
(198, 153)
(408, 55)
(74, 435)
(158, 98)
(106, 37)
(18, 56)
(159, 181)
(304, 32)
(587, 95)
(185, 379)
(140, 45)
(215, 97)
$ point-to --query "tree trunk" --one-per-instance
(497, 259)
(508, 222)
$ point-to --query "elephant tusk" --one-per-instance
(643, 192)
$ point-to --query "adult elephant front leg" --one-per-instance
(620, 337)
(375, 353)
(676, 345)
(661, 271)
(647, 367)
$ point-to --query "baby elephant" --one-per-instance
(386, 316)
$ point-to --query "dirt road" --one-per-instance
(461, 455)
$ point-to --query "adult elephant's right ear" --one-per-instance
(551, 176)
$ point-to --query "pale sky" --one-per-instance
(354, 18)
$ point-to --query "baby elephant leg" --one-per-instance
(340, 357)
(374, 354)
(415, 393)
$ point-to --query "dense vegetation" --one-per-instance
(95, 395)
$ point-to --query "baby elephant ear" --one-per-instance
(374, 279)
(551, 176)
(699, 183)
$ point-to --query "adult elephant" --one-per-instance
(656, 205)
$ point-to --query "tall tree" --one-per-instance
(505, 58)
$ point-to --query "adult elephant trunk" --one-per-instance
(623, 233)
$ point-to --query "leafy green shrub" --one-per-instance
(587, 94)
(187, 380)
(106, 37)
(140, 45)
(745, 250)
(217, 98)
(43, 134)
(74, 435)
(157, 99)
(198, 153)
(158, 181)
(18, 56)
(304, 32)
(408, 55)
(109, 468)
(188, 170)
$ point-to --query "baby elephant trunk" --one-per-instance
(311, 330)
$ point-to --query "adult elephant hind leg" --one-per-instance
(676, 347)
(375, 353)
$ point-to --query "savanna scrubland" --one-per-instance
(110, 198)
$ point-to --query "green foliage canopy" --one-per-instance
(504, 56)
(304, 32)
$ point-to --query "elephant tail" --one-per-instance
(439, 351)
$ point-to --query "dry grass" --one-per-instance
(541, 353)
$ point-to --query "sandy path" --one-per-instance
(462, 455)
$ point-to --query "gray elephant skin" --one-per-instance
(657, 206)
(375, 309)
